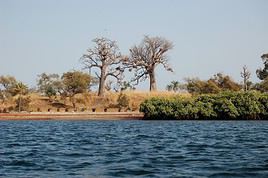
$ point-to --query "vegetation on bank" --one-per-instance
(224, 105)
(108, 89)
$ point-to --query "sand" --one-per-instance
(72, 116)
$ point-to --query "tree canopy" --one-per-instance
(105, 56)
(263, 73)
(145, 57)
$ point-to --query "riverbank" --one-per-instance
(73, 116)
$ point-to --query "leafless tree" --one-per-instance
(245, 74)
(105, 56)
(145, 57)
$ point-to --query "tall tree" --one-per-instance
(75, 82)
(245, 74)
(105, 56)
(145, 57)
(263, 73)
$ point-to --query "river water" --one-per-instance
(133, 149)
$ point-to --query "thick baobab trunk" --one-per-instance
(152, 81)
(102, 81)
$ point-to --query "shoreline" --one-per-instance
(76, 116)
(72, 116)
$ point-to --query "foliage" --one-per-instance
(262, 86)
(224, 105)
(75, 82)
(173, 86)
(263, 73)
(197, 86)
(19, 89)
(7, 84)
(22, 103)
(50, 84)
(216, 84)
(122, 101)
(225, 82)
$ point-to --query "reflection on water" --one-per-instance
(133, 148)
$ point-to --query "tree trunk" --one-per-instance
(245, 85)
(102, 81)
(152, 81)
(20, 103)
(73, 101)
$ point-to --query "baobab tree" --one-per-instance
(145, 57)
(105, 56)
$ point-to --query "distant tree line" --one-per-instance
(221, 82)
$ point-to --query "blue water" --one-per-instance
(133, 149)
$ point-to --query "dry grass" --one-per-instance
(88, 101)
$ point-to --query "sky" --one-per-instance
(209, 36)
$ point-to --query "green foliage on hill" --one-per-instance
(224, 105)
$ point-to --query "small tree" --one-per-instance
(105, 56)
(173, 86)
(146, 57)
(50, 84)
(122, 101)
(75, 82)
(245, 74)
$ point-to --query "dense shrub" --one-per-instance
(225, 105)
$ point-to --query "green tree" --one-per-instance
(75, 82)
(225, 82)
(173, 86)
(49, 84)
(262, 86)
(263, 73)
(197, 86)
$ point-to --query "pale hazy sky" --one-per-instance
(210, 36)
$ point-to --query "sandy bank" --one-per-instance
(72, 116)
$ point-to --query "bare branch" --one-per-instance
(106, 57)
(146, 57)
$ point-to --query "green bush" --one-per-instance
(224, 105)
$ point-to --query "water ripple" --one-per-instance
(133, 149)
